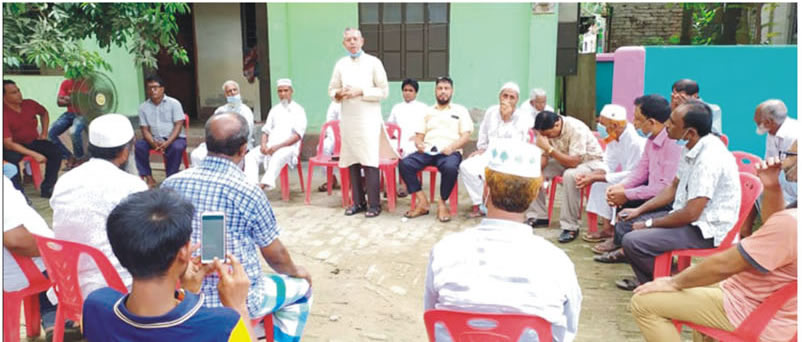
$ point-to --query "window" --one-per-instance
(411, 39)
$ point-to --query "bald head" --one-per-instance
(226, 133)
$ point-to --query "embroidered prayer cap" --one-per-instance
(284, 82)
(614, 112)
(511, 86)
(514, 157)
(110, 130)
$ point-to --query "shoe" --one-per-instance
(537, 223)
(373, 212)
(614, 257)
(567, 236)
(627, 284)
(354, 209)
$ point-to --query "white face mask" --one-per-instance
(234, 99)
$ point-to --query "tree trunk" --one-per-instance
(732, 16)
(758, 24)
(687, 18)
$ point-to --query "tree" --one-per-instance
(51, 34)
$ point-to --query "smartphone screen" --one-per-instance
(212, 237)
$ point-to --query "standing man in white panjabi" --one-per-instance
(622, 154)
(535, 105)
(84, 196)
(281, 136)
(501, 121)
(233, 105)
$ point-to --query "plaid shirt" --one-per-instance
(219, 185)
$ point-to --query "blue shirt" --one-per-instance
(219, 185)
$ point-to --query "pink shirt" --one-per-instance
(655, 170)
(772, 253)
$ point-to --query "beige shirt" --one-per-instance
(443, 127)
(364, 138)
(576, 139)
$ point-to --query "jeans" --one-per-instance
(63, 123)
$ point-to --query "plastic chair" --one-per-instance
(61, 259)
(750, 190)
(388, 167)
(746, 162)
(268, 319)
(284, 176)
(330, 162)
(185, 156)
(452, 198)
(28, 296)
(36, 171)
(724, 139)
(754, 324)
(474, 326)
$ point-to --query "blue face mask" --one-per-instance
(682, 141)
(601, 130)
(234, 99)
(355, 55)
(640, 132)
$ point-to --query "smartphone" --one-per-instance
(213, 236)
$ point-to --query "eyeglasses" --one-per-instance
(785, 154)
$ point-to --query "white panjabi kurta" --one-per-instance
(620, 156)
(17, 212)
(408, 116)
(200, 152)
(82, 200)
(283, 122)
(364, 138)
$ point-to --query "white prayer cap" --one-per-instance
(283, 82)
(110, 130)
(614, 112)
(514, 157)
(511, 86)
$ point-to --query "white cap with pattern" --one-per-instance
(283, 82)
(511, 86)
(614, 112)
(515, 158)
(110, 130)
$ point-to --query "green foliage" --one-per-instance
(51, 34)
(654, 41)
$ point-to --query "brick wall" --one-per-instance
(633, 23)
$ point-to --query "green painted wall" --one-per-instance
(126, 76)
(543, 53)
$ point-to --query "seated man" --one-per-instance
(570, 149)
(655, 170)
(439, 138)
(687, 89)
(233, 104)
(624, 149)
(150, 233)
(21, 139)
(748, 272)
(535, 105)
(218, 184)
(407, 115)
(282, 134)
(84, 196)
(71, 118)
(706, 196)
(494, 280)
(501, 121)
(161, 119)
(332, 113)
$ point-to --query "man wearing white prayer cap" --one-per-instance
(282, 134)
(233, 104)
(480, 269)
(624, 148)
(84, 196)
(501, 121)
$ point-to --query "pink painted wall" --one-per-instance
(628, 77)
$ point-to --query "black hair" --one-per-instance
(654, 106)
(411, 82)
(229, 145)
(147, 229)
(154, 78)
(545, 120)
(444, 79)
(107, 153)
(699, 116)
(686, 85)
(5, 83)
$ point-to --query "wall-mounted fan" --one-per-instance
(94, 95)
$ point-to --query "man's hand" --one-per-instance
(447, 151)
(270, 150)
(583, 180)
(338, 96)
(476, 153)
(542, 142)
(43, 136)
(233, 285)
(39, 157)
(351, 93)
(192, 278)
(662, 284)
(769, 172)
(420, 147)
(616, 195)
(638, 225)
(628, 214)
(303, 274)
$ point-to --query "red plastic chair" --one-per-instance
(724, 139)
(61, 260)
(746, 162)
(28, 296)
(185, 156)
(486, 327)
(754, 324)
(268, 319)
(750, 190)
(452, 198)
(284, 176)
(388, 167)
(329, 162)
(36, 171)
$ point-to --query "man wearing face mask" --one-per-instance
(234, 105)
(624, 149)
(705, 197)
(771, 117)
(84, 196)
(655, 170)
(281, 135)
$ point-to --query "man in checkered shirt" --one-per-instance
(219, 184)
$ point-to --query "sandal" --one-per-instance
(418, 211)
(443, 218)
(604, 247)
(627, 284)
(597, 236)
(615, 257)
(475, 212)
(373, 212)
(354, 209)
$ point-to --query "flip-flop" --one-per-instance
(627, 284)
(416, 212)
(615, 257)
(597, 236)
(603, 247)
(443, 218)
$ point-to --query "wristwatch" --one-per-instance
(649, 223)
(551, 149)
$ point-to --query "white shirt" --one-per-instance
(333, 112)
(16, 212)
(241, 109)
(782, 141)
(408, 116)
(485, 269)
(493, 127)
(623, 154)
(527, 107)
(282, 122)
(82, 200)
(709, 170)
